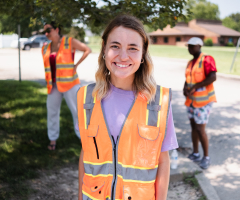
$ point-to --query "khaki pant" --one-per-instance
(54, 101)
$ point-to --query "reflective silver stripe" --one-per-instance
(45, 48)
(85, 197)
(200, 63)
(89, 102)
(70, 79)
(50, 82)
(201, 98)
(153, 108)
(134, 174)
(94, 170)
(47, 69)
(211, 93)
(127, 173)
(62, 66)
(169, 101)
(189, 85)
(66, 44)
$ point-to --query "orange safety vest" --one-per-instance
(127, 169)
(65, 79)
(202, 96)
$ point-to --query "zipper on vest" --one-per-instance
(115, 168)
(94, 139)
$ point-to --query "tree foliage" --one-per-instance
(202, 9)
(232, 21)
(32, 14)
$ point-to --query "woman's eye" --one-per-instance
(115, 47)
(132, 49)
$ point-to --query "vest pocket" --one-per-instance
(148, 146)
(148, 132)
(94, 189)
(134, 191)
(199, 76)
(92, 133)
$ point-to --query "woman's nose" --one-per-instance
(123, 55)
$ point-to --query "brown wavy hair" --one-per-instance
(144, 82)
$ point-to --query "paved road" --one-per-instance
(224, 124)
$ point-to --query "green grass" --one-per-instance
(222, 55)
(191, 180)
(23, 137)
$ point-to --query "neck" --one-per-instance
(124, 84)
(56, 40)
(197, 55)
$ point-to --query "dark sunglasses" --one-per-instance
(48, 30)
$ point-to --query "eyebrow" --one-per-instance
(115, 42)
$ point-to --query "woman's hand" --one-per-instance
(77, 45)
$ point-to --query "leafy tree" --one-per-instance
(34, 13)
(232, 21)
(202, 9)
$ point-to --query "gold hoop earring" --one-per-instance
(142, 61)
(104, 56)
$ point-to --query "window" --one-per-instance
(165, 39)
(178, 39)
(230, 40)
(154, 40)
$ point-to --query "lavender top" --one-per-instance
(116, 106)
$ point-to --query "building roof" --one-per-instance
(220, 29)
(177, 30)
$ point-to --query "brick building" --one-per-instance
(203, 29)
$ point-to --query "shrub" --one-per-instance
(208, 42)
(230, 44)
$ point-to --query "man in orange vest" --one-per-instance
(199, 92)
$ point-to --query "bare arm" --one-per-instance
(77, 45)
(80, 175)
(207, 81)
(185, 89)
(162, 180)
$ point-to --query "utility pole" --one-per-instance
(19, 46)
(235, 55)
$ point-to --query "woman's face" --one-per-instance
(52, 33)
(123, 53)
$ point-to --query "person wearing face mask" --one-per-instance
(199, 92)
(125, 121)
(61, 76)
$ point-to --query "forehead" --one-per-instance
(125, 35)
(47, 26)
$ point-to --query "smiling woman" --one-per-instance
(123, 121)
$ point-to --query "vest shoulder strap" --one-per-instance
(66, 42)
(201, 60)
(45, 48)
(154, 107)
(89, 101)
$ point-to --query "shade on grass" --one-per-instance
(23, 136)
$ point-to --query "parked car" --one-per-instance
(14, 43)
(35, 42)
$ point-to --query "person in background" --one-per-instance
(199, 92)
(125, 121)
(61, 77)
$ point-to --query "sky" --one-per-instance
(227, 7)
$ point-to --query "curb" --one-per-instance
(228, 76)
(206, 187)
(187, 167)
